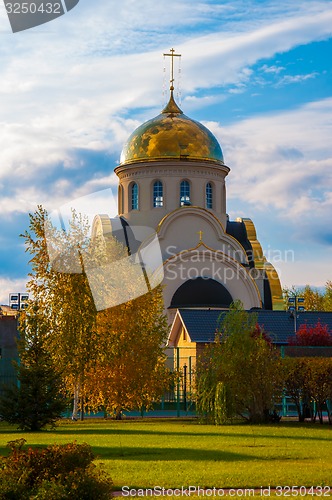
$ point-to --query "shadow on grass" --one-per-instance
(255, 431)
(170, 454)
(160, 454)
(91, 428)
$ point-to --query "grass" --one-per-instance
(171, 453)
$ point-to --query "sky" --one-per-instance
(257, 73)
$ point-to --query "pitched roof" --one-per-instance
(201, 324)
(7, 311)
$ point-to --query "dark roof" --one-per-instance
(238, 231)
(202, 324)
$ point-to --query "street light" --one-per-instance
(294, 307)
(18, 301)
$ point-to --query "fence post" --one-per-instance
(190, 381)
(185, 387)
(178, 383)
(284, 400)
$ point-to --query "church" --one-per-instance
(172, 178)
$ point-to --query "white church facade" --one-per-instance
(172, 178)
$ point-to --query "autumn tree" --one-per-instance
(296, 383)
(315, 299)
(60, 287)
(239, 373)
(320, 384)
(308, 382)
(312, 335)
(130, 372)
(113, 359)
(328, 296)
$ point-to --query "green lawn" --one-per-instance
(172, 453)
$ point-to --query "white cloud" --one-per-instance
(288, 79)
(299, 273)
(59, 97)
(272, 69)
(283, 162)
(69, 88)
(218, 58)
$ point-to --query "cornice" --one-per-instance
(172, 168)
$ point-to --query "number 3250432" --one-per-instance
(33, 8)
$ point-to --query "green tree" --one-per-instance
(213, 398)
(246, 364)
(37, 400)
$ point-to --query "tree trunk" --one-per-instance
(329, 414)
(74, 415)
(82, 408)
(300, 411)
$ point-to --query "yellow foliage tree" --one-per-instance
(64, 299)
(314, 299)
(130, 372)
(114, 358)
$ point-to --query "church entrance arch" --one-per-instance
(201, 292)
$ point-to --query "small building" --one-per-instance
(192, 329)
(8, 345)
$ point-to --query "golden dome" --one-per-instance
(171, 135)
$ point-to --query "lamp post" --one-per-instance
(18, 301)
(295, 305)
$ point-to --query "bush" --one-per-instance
(57, 472)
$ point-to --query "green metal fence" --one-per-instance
(183, 362)
(180, 400)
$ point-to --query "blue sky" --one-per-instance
(257, 73)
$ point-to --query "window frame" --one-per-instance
(158, 192)
(209, 196)
(134, 197)
(185, 192)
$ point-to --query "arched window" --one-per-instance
(184, 193)
(134, 196)
(208, 196)
(158, 197)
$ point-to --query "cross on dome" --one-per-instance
(172, 55)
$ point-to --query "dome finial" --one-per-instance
(172, 55)
(172, 107)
